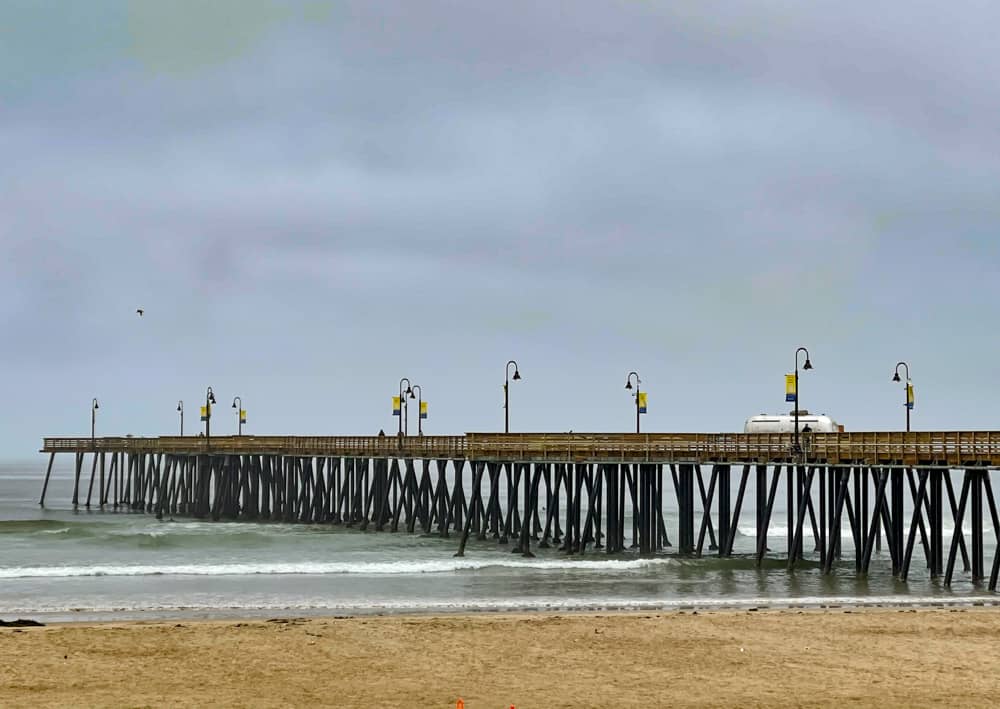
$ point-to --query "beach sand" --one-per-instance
(861, 657)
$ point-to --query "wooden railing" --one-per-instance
(958, 449)
(374, 446)
(978, 448)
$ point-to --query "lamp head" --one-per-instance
(96, 405)
(808, 364)
(628, 384)
(179, 407)
(410, 392)
(895, 377)
(234, 404)
(517, 375)
(211, 397)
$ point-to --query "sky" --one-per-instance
(312, 200)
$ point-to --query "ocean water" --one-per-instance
(61, 564)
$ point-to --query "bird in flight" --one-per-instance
(140, 311)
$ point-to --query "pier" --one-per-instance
(584, 494)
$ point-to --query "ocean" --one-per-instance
(58, 564)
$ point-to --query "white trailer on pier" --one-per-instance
(785, 423)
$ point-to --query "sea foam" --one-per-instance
(317, 568)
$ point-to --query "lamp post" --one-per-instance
(94, 406)
(906, 391)
(506, 393)
(420, 401)
(239, 415)
(404, 425)
(180, 410)
(807, 365)
(209, 400)
(628, 385)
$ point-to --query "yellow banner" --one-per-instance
(642, 402)
(204, 413)
(909, 395)
(243, 415)
(423, 409)
(395, 406)
(790, 393)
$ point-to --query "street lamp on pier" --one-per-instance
(207, 415)
(907, 389)
(180, 410)
(239, 415)
(404, 415)
(506, 393)
(628, 385)
(94, 406)
(807, 365)
(420, 408)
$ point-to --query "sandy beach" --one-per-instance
(862, 657)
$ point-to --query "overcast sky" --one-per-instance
(313, 200)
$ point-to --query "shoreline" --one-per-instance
(294, 616)
(452, 609)
(772, 657)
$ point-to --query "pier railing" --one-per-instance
(945, 449)
(346, 446)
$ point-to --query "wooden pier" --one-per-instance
(582, 493)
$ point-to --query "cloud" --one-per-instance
(336, 191)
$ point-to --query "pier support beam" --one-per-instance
(45, 485)
(958, 536)
(764, 519)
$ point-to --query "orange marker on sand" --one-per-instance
(460, 704)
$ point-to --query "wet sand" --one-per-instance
(860, 657)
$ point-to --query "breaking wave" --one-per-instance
(318, 568)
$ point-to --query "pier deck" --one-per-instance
(957, 449)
